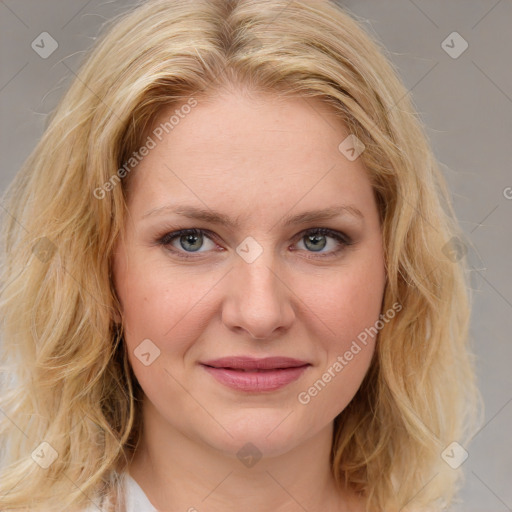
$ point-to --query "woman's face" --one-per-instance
(204, 311)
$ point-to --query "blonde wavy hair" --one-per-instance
(66, 377)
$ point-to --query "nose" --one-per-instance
(259, 300)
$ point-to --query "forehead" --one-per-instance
(249, 151)
(259, 123)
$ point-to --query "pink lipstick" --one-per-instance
(255, 375)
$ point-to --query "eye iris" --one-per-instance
(193, 239)
(315, 239)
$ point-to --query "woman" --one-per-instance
(228, 279)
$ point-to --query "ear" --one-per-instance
(116, 317)
(116, 303)
(116, 308)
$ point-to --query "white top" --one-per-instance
(136, 500)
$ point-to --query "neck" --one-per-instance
(180, 473)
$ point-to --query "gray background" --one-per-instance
(465, 102)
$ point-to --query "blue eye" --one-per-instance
(317, 239)
(192, 240)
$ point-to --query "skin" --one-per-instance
(257, 158)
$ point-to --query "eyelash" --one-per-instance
(343, 240)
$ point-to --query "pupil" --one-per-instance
(190, 239)
(315, 239)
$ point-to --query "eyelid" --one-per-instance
(341, 238)
(173, 235)
(333, 233)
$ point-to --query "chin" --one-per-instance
(258, 430)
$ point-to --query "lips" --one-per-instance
(253, 364)
(255, 375)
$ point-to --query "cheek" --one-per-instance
(342, 317)
(343, 311)
(162, 304)
(346, 302)
(164, 307)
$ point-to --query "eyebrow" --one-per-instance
(214, 217)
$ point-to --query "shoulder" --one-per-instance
(102, 503)
(136, 499)
(94, 507)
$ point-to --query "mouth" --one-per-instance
(255, 375)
